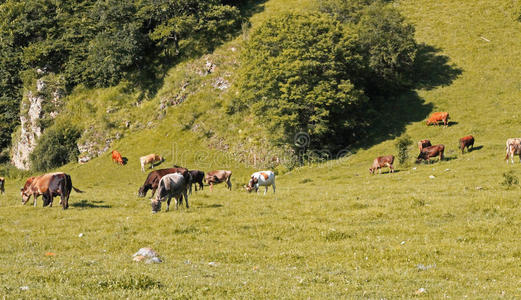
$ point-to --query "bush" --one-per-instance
(56, 147)
(402, 145)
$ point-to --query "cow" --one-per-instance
(218, 176)
(116, 157)
(382, 161)
(150, 159)
(431, 151)
(513, 149)
(437, 117)
(197, 178)
(153, 178)
(424, 143)
(170, 185)
(466, 142)
(49, 185)
(262, 178)
(2, 183)
(512, 141)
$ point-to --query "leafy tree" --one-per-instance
(297, 76)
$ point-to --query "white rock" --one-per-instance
(420, 291)
(432, 177)
(24, 288)
(212, 264)
(414, 168)
(80, 235)
(402, 243)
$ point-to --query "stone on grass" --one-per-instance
(148, 255)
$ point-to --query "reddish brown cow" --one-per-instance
(431, 151)
(2, 182)
(218, 176)
(466, 142)
(49, 185)
(116, 157)
(437, 117)
(382, 161)
(424, 143)
(153, 178)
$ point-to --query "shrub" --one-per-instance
(56, 147)
(402, 145)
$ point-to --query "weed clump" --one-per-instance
(509, 179)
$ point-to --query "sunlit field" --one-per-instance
(332, 230)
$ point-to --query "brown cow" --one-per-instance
(431, 151)
(219, 176)
(437, 117)
(150, 159)
(466, 142)
(116, 157)
(152, 181)
(2, 182)
(49, 185)
(424, 143)
(382, 161)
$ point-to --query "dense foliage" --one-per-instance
(98, 43)
(325, 76)
(56, 148)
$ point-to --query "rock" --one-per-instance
(148, 255)
(402, 243)
(24, 288)
(213, 264)
(80, 235)
(447, 170)
(414, 168)
(420, 291)
(422, 267)
(221, 84)
(479, 188)
(432, 177)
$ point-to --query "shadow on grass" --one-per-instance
(125, 160)
(87, 204)
(215, 205)
(477, 148)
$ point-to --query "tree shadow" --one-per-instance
(392, 114)
(92, 204)
(432, 69)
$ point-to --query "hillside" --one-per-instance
(331, 230)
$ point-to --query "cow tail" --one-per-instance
(77, 190)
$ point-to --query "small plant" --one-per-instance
(509, 179)
(402, 145)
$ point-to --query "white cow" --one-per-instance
(262, 178)
(512, 144)
(171, 185)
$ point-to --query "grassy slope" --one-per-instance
(331, 230)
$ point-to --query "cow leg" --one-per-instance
(229, 183)
(265, 190)
(168, 202)
(273, 185)
(34, 200)
(211, 187)
(186, 199)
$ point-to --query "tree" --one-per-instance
(296, 76)
(56, 147)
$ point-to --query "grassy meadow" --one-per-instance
(449, 229)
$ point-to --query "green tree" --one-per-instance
(296, 75)
(56, 147)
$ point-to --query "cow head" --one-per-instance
(25, 196)
(251, 184)
(142, 191)
(156, 205)
(371, 170)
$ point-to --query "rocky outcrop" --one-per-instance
(38, 107)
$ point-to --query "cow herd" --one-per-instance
(177, 182)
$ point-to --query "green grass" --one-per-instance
(332, 230)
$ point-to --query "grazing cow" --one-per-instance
(2, 182)
(153, 178)
(431, 151)
(262, 178)
(466, 142)
(49, 185)
(382, 161)
(513, 149)
(116, 157)
(197, 178)
(150, 159)
(218, 176)
(437, 117)
(424, 143)
(512, 141)
(171, 185)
